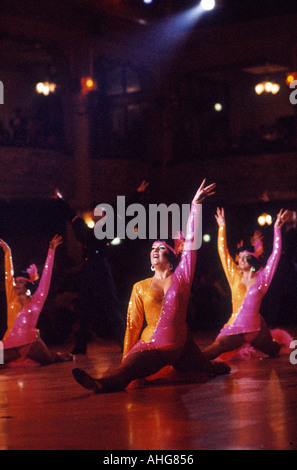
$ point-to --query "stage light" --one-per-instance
(264, 219)
(268, 219)
(261, 220)
(218, 107)
(206, 238)
(147, 2)
(116, 241)
(87, 85)
(275, 88)
(259, 88)
(91, 224)
(267, 87)
(45, 88)
(89, 220)
(291, 77)
(208, 4)
(39, 87)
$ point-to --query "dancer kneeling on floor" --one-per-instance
(246, 330)
(25, 300)
(162, 302)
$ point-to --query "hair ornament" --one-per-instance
(257, 242)
(179, 241)
(33, 273)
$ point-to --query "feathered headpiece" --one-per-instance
(257, 243)
(32, 274)
(179, 241)
(255, 250)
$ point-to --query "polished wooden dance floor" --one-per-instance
(254, 408)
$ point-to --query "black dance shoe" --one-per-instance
(86, 381)
(220, 368)
(64, 357)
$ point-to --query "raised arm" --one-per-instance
(81, 231)
(44, 284)
(9, 272)
(135, 317)
(186, 267)
(227, 261)
(272, 262)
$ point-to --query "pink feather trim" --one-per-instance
(33, 273)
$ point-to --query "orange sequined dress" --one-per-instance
(155, 321)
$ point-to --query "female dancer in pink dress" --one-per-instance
(22, 340)
(249, 283)
(163, 301)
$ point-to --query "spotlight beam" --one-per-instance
(164, 38)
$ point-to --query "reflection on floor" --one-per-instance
(252, 408)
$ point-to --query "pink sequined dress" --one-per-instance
(22, 321)
(165, 316)
(246, 304)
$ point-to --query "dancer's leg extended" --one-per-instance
(40, 353)
(145, 363)
(264, 341)
(135, 366)
(222, 345)
(10, 355)
(193, 360)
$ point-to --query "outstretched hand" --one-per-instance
(281, 218)
(56, 241)
(220, 216)
(203, 192)
(4, 246)
(58, 194)
(142, 187)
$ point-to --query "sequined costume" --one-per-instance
(22, 321)
(165, 316)
(245, 316)
(165, 341)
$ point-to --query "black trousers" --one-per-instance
(98, 304)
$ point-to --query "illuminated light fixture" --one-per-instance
(45, 88)
(218, 107)
(87, 84)
(88, 220)
(208, 4)
(116, 241)
(206, 238)
(268, 219)
(291, 77)
(259, 88)
(91, 224)
(264, 219)
(147, 2)
(267, 87)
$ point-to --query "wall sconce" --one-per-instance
(264, 219)
(291, 77)
(45, 88)
(87, 84)
(267, 87)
